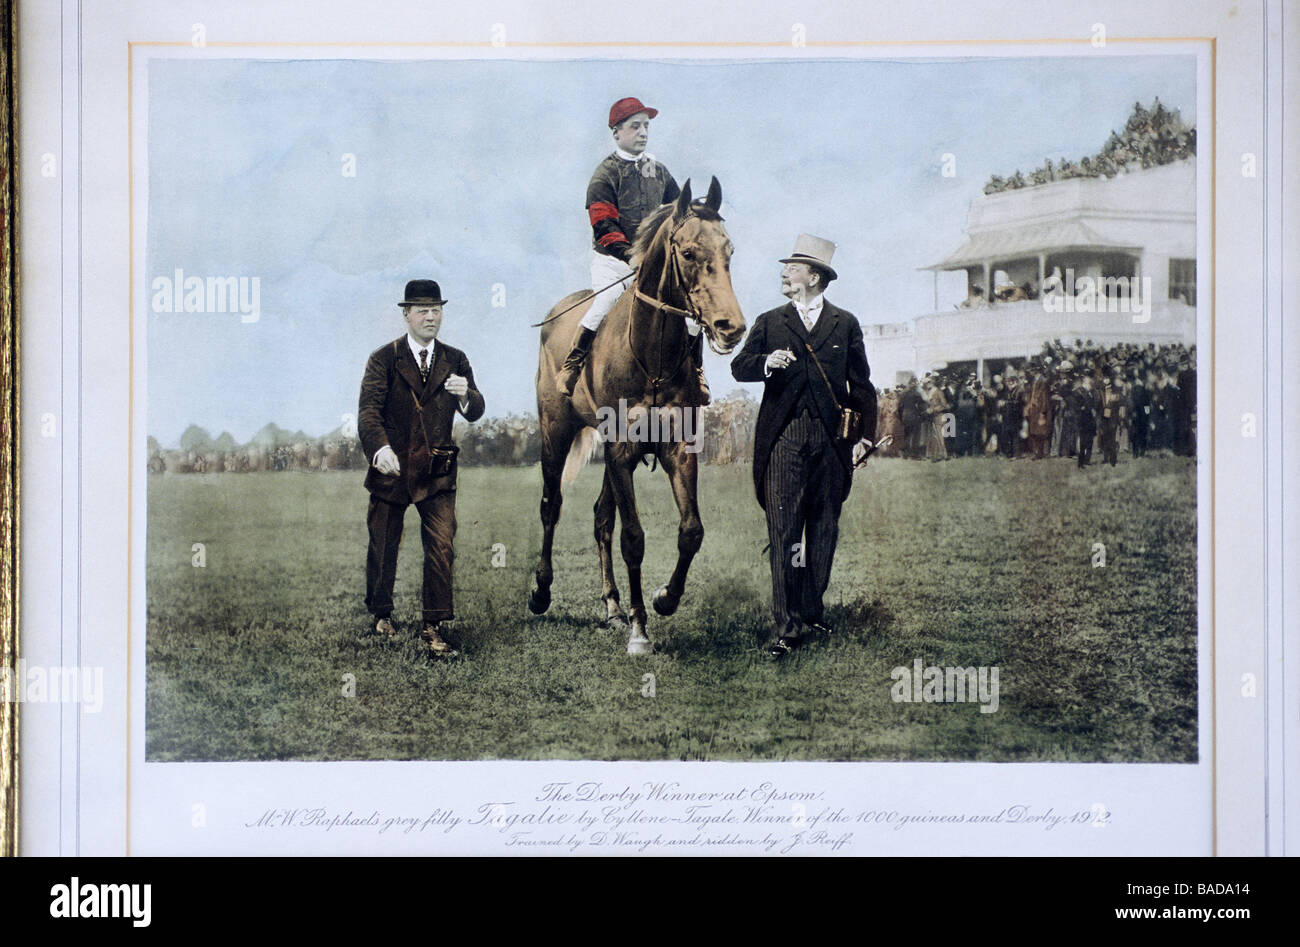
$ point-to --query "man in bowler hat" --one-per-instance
(412, 389)
(811, 359)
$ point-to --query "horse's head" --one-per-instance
(692, 251)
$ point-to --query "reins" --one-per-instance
(658, 305)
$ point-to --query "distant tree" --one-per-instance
(196, 438)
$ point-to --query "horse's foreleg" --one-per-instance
(605, 511)
(682, 468)
(619, 466)
(552, 499)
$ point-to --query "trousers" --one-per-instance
(604, 270)
(803, 488)
(437, 529)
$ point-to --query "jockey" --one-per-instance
(624, 189)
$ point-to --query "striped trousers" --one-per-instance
(802, 490)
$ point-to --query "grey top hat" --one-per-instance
(813, 251)
(422, 292)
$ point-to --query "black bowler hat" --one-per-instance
(422, 292)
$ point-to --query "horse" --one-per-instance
(639, 359)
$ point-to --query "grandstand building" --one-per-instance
(1138, 224)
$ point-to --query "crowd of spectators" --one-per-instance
(1063, 402)
(1151, 137)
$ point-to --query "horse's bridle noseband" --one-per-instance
(675, 266)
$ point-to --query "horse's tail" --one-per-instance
(580, 454)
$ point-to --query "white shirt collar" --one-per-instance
(811, 308)
(630, 157)
(416, 346)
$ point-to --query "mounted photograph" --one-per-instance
(670, 409)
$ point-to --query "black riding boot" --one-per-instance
(566, 379)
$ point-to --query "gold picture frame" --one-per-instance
(9, 425)
(1234, 821)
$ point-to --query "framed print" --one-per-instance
(8, 440)
(837, 431)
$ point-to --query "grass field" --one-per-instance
(965, 563)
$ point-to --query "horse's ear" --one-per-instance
(683, 200)
(714, 199)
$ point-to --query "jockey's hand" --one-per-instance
(386, 461)
(781, 358)
(457, 385)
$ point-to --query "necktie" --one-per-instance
(807, 322)
(424, 364)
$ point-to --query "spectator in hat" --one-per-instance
(810, 356)
(1085, 409)
(412, 390)
(1109, 415)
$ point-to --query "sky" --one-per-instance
(474, 173)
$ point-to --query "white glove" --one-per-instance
(386, 461)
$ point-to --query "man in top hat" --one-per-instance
(1085, 409)
(811, 359)
(1139, 415)
(412, 389)
(912, 413)
(1110, 412)
(624, 189)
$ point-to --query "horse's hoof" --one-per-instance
(539, 601)
(639, 644)
(664, 603)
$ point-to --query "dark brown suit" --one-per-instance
(413, 417)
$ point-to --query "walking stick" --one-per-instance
(883, 442)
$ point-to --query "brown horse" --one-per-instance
(639, 369)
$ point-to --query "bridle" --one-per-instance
(674, 267)
(657, 304)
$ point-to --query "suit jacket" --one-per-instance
(1112, 401)
(837, 340)
(1086, 403)
(411, 416)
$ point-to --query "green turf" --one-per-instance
(964, 563)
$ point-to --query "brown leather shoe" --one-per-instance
(385, 627)
(438, 647)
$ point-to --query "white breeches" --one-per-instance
(605, 270)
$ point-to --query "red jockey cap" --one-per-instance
(625, 108)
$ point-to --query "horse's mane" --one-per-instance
(645, 233)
